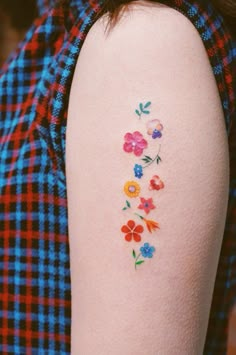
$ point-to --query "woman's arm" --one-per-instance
(161, 306)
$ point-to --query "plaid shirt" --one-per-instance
(34, 254)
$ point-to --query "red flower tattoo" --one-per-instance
(156, 183)
(146, 204)
(132, 231)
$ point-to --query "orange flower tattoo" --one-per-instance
(132, 231)
(151, 225)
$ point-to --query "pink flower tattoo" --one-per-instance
(146, 204)
(134, 142)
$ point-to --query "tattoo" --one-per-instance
(156, 183)
(128, 205)
(132, 189)
(146, 251)
(150, 224)
(135, 143)
(146, 204)
(143, 109)
(154, 128)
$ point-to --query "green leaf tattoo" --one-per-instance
(148, 160)
(143, 109)
(128, 205)
(137, 262)
(138, 113)
(147, 104)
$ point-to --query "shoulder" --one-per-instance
(146, 26)
(150, 37)
(152, 45)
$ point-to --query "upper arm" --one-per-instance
(153, 55)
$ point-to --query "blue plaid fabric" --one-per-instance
(34, 253)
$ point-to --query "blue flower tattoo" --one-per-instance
(146, 251)
(138, 171)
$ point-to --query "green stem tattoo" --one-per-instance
(137, 262)
(149, 160)
(139, 215)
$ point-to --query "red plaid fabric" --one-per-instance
(44, 5)
(34, 254)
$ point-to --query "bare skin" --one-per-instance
(154, 53)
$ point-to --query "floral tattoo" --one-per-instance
(146, 251)
(135, 143)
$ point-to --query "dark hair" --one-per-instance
(114, 9)
(21, 12)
